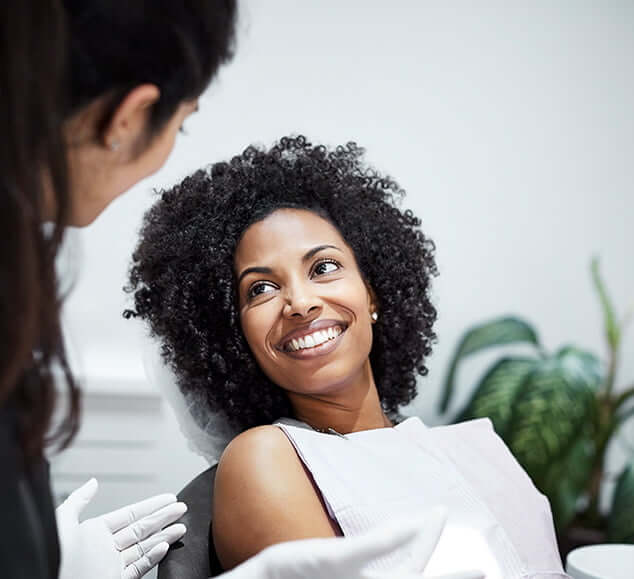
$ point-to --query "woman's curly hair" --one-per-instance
(184, 285)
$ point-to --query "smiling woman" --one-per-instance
(287, 286)
(308, 302)
(188, 260)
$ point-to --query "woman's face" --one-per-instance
(304, 308)
(99, 174)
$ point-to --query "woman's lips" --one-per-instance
(315, 338)
(315, 351)
(292, 339)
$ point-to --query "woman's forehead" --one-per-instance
(286, 231)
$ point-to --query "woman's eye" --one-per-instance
(259, 289)
(324, 267)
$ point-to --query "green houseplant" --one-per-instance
(557, 412)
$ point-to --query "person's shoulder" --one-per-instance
(261, 463)
(261, 446)
(266, 436)
(261, 486)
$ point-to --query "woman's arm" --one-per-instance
(263, 496)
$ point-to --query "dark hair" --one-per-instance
(184, 284)
(100, 48)
(118, 45)
(32, 155)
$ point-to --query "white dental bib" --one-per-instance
(498, 522)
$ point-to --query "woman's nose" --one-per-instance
(301, 302)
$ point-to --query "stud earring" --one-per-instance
(374, 316)
(114, 146)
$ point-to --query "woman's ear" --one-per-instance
(129, 122)
(373, 303)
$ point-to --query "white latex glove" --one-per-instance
(346, 558)
(122, 544)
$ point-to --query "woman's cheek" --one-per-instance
(258, 330)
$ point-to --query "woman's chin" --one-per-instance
(327, 381)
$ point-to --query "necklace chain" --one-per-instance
(328, 430)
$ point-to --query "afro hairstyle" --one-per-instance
(184, 287)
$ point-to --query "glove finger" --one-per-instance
(139, 530)
(124, 516)
(77, 501)
(168, 535)
(145, 563)
(357, 552)
(424, 545)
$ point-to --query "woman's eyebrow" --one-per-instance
(267, 270)
(249, 270)
(310, 253)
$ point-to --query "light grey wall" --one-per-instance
(509, 123)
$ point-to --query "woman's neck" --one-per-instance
(352, 407)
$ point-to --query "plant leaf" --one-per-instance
(495, 394)
(506, 330)
(611, 325)
(582, 365)
(623, 397)
(566, 479)
(621, 521)
(548, 417)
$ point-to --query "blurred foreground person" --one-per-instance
(92, 95)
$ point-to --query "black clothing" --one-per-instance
(29, 547)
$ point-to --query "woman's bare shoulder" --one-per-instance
(256, 444)
(263, 495)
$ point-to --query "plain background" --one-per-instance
(509, 123)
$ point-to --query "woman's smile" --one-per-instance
(317, 339)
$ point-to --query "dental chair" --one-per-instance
(194, 556)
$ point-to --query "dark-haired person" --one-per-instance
(92, 93)
(299, 291)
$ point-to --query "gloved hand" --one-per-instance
(122, 544)
(346, 558)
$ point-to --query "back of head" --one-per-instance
(101, 49)
(116, 45)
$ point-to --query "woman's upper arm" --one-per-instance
(263, 496)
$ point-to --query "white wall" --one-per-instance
(509, 123)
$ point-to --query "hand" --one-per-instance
(348, 557)
(423, 546)
(123, 544)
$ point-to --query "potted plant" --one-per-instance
(557, 412)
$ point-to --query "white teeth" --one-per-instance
(314, 339)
